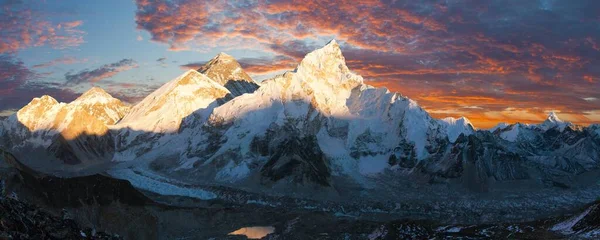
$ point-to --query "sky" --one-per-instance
(489, 60)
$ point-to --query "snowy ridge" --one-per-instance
(456, 127)
(514, 132)
(163, 110)
(553, 121)
(39, 114)
(47, 114)
(93, 96)
(102, 105)
(74, 133)
(501, 125)
(319, 95)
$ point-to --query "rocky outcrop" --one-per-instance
(19, 220)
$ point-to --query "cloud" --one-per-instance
(59, 61)
(20, 85)
(258, 66)
(192, 65)
(130, 92)
(445, 54)
(162, 61)
(22, 27)
(103, 72)
(13, 74)
(267, 65)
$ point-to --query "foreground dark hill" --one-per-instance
(19, 220)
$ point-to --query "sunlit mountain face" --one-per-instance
(184, 119)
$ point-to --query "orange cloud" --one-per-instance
(21, 27)
(62, 60)
(454, 59)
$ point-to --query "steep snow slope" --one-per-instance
(321, 99)
(553, 122)
(511, 133)
(160, 118)
(501, 125)
(163, 110)
(225, 70)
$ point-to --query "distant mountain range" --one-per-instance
(318, 128)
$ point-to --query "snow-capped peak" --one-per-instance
(95, 95)
(501, 125)
(95, 91)
(326, 62)
(38, 105)
(46, 100)
(225, 70)
(190, 77)
(457, 126)
(91, 112)
(98, 103)
(553, 121)
(39, 113)
(163, 110)
(457, 121)
(552, 117)
(224, 56)
(329, 57)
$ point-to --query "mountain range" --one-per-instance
(317, 131)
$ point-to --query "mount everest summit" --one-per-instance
(316, 128)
